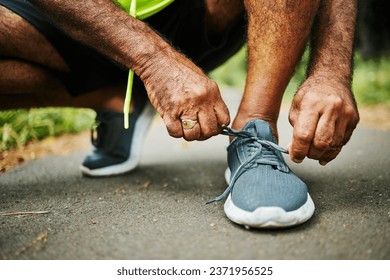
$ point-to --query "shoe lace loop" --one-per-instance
(260, 151)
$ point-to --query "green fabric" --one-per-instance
(145, 8)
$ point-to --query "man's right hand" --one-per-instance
(179, 90)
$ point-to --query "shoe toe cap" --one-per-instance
(99, 160)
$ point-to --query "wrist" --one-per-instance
(330, 77)
(324, 89)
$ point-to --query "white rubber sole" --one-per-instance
(141, 127)
(268, 217)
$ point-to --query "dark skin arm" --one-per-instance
(324, 112)
(177, 88)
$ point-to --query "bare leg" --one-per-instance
(26, 61)
(277, 34)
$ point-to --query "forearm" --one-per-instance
(176, 87)
(103, 26)
(323, 111)
(332, 40)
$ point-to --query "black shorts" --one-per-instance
(181, 23)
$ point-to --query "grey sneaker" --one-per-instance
(118, 150)
(263, 192)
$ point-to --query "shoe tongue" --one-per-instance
(261, 129)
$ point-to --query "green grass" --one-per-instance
(17, 127)
(371, 82)
(371, 85)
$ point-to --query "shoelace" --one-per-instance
(261, 152)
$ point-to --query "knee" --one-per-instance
(221, 14)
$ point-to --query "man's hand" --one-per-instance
(324, 115)
(179, 90)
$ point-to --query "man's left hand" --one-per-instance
(323, 115)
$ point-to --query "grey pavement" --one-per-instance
(158, 211)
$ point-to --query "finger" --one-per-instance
(329, 155)
(335, 146)
(303, 133)
(222, 114)
(342, 135)
(323, 137)
(293, 114)
(193, 133)
(208, 124)
(173, 126)
(348, 132)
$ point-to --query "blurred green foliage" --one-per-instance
(371, 81)
(233, 72)
(20, 126)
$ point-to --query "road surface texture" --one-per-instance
(158, 211)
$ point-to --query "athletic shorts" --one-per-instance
(182, 24)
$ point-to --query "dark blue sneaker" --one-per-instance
(118, 150)
(263, 192)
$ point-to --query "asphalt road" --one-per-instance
(158, 211)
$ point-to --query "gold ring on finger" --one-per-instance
(188, 124)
